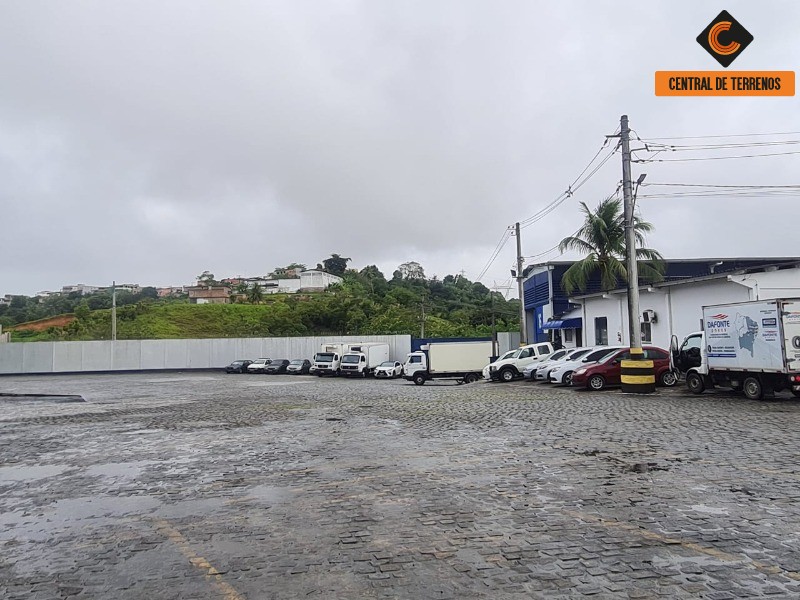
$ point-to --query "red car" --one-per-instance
(606, 372)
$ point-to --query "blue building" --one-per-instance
(550, 315)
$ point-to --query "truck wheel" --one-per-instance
(506, 375)
(752, 389)
(419, 379)
(470, 378)
(668, 379)
(695, 383)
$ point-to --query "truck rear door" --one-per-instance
(790, 315)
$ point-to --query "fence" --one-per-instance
(140, 355)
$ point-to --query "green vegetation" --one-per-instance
(364, 303)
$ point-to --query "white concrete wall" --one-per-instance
(678, 309)
(135, 355)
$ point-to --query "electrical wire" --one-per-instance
(731, 135)
(704, 158)
(500, 245)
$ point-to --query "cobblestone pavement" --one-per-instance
(203, 485)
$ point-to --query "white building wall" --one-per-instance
(678, 308)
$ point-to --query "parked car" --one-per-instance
(389, 369)
(508, 369)
(277, 366)
(258, 365)
(563, 373)
(607, 370)
(504, 356)
(299, 366)
(543, 374)
(238, 366)
(529, 371)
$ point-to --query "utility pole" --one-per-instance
(520, 261)
(422, 325)
(113, 311)
(637, 370)
(494, 329)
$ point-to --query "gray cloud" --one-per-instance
(149, 141)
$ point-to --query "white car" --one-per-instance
(529, 372)
(563, 372)
(389, 370)
(258, 365)
(543, 374)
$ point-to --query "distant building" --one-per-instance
(79, 288)
(44, 294)
(317, 281)
(168, 292)
(214, 294)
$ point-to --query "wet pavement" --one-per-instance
(201, 485)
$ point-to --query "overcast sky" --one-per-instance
(147, 142)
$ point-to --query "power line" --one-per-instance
(576, 185)
(503, 240)
(704, 158)
(717, 185)
(731, 135)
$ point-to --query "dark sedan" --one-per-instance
(277, 366)
(238, 366)
(299, 366)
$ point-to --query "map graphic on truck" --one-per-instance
(747, 329)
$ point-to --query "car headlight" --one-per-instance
(580, 371)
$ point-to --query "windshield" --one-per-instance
(557, 355)
(388, 363)
(280, 361)
(598, 354)
(238, 362)
(508, 354)
(325, 357)
(350, 358)
(577, 354)
(296, 362)
(608, 357)
(260, 361)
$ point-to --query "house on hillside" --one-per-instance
(209, 294)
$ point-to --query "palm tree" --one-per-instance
(602, 240)
(255, 295)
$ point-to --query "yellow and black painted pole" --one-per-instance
(638, 375)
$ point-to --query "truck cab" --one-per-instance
(510, 368)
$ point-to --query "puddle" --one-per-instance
(123, 470)
(269, 494)
(709, 510)
(30, 473)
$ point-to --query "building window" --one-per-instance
(568, 335)
(601, 331)
(647, 333)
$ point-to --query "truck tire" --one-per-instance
(695, 383)
(753, 389)
(419, 379)
(507, 375)
(470, 378)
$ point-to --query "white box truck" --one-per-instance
(448, 360)
(362, 359)
(752, 347)
(328, 360)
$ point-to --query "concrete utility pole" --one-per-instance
(637, 374)
(422, 325)
(113, 311)
(520, 261)
(634, 327)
